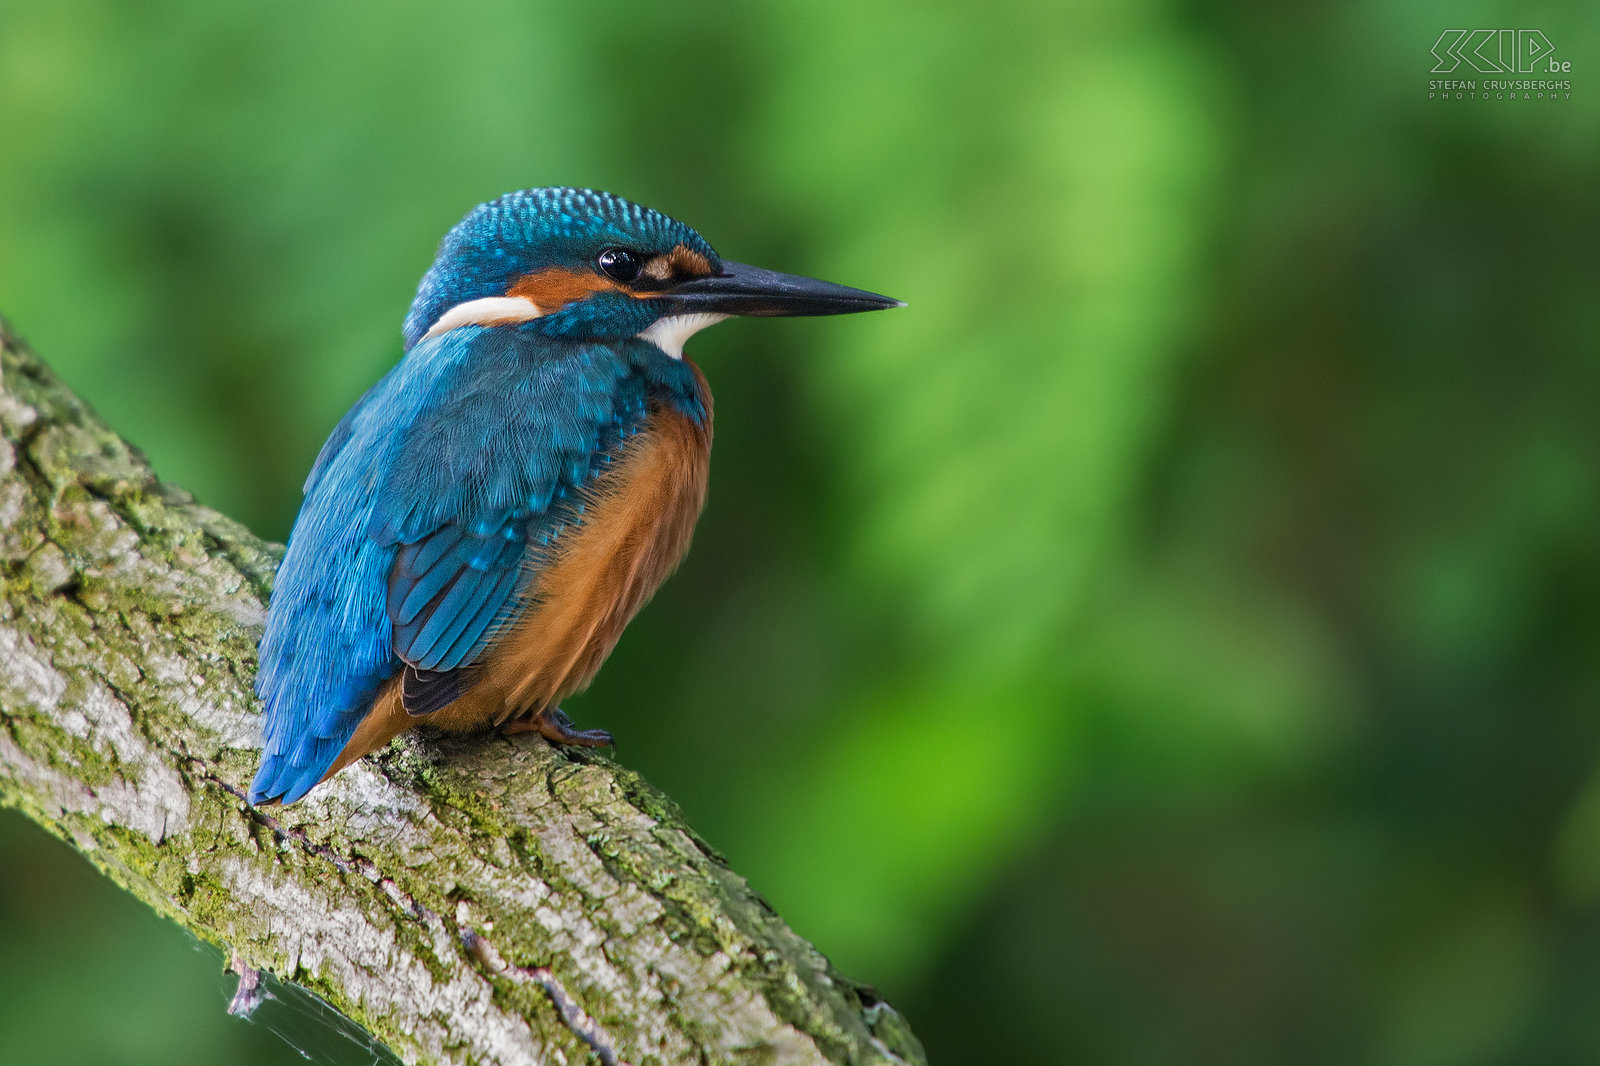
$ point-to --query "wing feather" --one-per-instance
(431, 506)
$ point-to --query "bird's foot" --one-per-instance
(553, 724)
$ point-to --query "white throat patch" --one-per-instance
(670, 334)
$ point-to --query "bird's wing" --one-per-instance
(483, 484)
(421, 508)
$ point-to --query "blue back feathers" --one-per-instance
(437, 495)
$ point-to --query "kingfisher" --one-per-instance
(483, 523)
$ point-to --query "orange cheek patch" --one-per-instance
(553, 289)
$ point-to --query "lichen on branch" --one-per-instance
(475, 900)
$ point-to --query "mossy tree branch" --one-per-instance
(466, 901)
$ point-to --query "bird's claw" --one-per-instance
(553, 724)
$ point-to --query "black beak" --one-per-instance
(748, 290)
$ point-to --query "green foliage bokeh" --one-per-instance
(1172, 638)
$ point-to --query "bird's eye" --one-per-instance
(621, 264)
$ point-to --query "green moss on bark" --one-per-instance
(129, 617)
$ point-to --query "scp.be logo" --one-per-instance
(1497, 52)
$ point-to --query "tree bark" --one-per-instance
(476, 900)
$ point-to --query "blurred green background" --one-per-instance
(1174, 638)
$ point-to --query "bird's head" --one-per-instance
(592, 266)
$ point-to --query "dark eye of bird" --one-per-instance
(620, 263)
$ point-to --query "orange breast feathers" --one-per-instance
(636, 530)
(638, 520)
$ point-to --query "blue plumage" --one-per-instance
(412, 541)
(535, 229)
(532, 359)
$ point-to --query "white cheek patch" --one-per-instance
(670, 334)
(489, 311)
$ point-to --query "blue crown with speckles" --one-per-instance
(531, 230)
